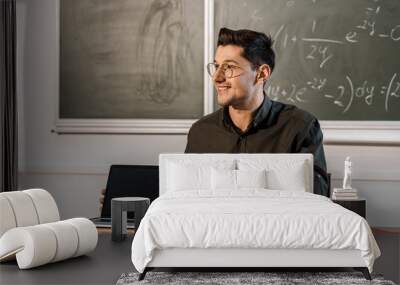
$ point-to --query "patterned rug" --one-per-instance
(243, 278)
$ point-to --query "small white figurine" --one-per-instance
(347, 174)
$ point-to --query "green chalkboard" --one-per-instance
(131, 59)
(340, 60)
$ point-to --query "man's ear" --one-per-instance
(263, 73)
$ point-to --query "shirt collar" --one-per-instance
(260, 115)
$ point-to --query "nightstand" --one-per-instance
(358, 206)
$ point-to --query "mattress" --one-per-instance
(250, 219)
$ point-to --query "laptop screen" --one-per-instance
(130, 181)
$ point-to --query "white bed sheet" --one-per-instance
(253, 218)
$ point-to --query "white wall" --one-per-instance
(74, 167)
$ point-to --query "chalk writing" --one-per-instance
(391, 90)
(319, 51)
(369, 24)
(292, 94)
(317, 83)
(336, 59)
(365, 92)
(318, 47)
(346, 94)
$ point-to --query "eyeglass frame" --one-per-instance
(227, 65)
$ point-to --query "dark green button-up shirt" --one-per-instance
(275, 128)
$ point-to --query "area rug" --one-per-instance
(244, 278)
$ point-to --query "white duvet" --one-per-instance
(250, 219)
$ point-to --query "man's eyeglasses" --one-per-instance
(229, 70)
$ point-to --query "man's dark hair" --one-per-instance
(257, 47)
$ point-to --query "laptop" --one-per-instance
(128, 181)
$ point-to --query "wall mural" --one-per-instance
(131, 59)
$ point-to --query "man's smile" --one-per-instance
(222, 88)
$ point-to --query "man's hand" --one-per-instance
(101, 199)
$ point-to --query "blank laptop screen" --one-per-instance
(130, 181)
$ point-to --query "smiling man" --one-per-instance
(250, 122)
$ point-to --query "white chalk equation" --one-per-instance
(349, 92)
(343, 96)
(340, 55)
(291, 94)
(321, 49)
(371, 25)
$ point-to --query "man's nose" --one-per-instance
(219, 75)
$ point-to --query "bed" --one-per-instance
(246, 211)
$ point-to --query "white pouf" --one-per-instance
(7, 218)
(26, 208)
(45, 205)
(45, 243)
(31, 232)
(23, 208)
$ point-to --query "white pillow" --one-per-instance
(227, 179)
(223, 179)
(192, 174)
(292, 179)
(251, 178)
(282, 174)
(188, 177)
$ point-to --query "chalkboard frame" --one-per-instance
(335, 132)
(361, 132)
(126, 126)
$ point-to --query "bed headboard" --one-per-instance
(166, 158)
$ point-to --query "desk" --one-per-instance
(102, 266)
